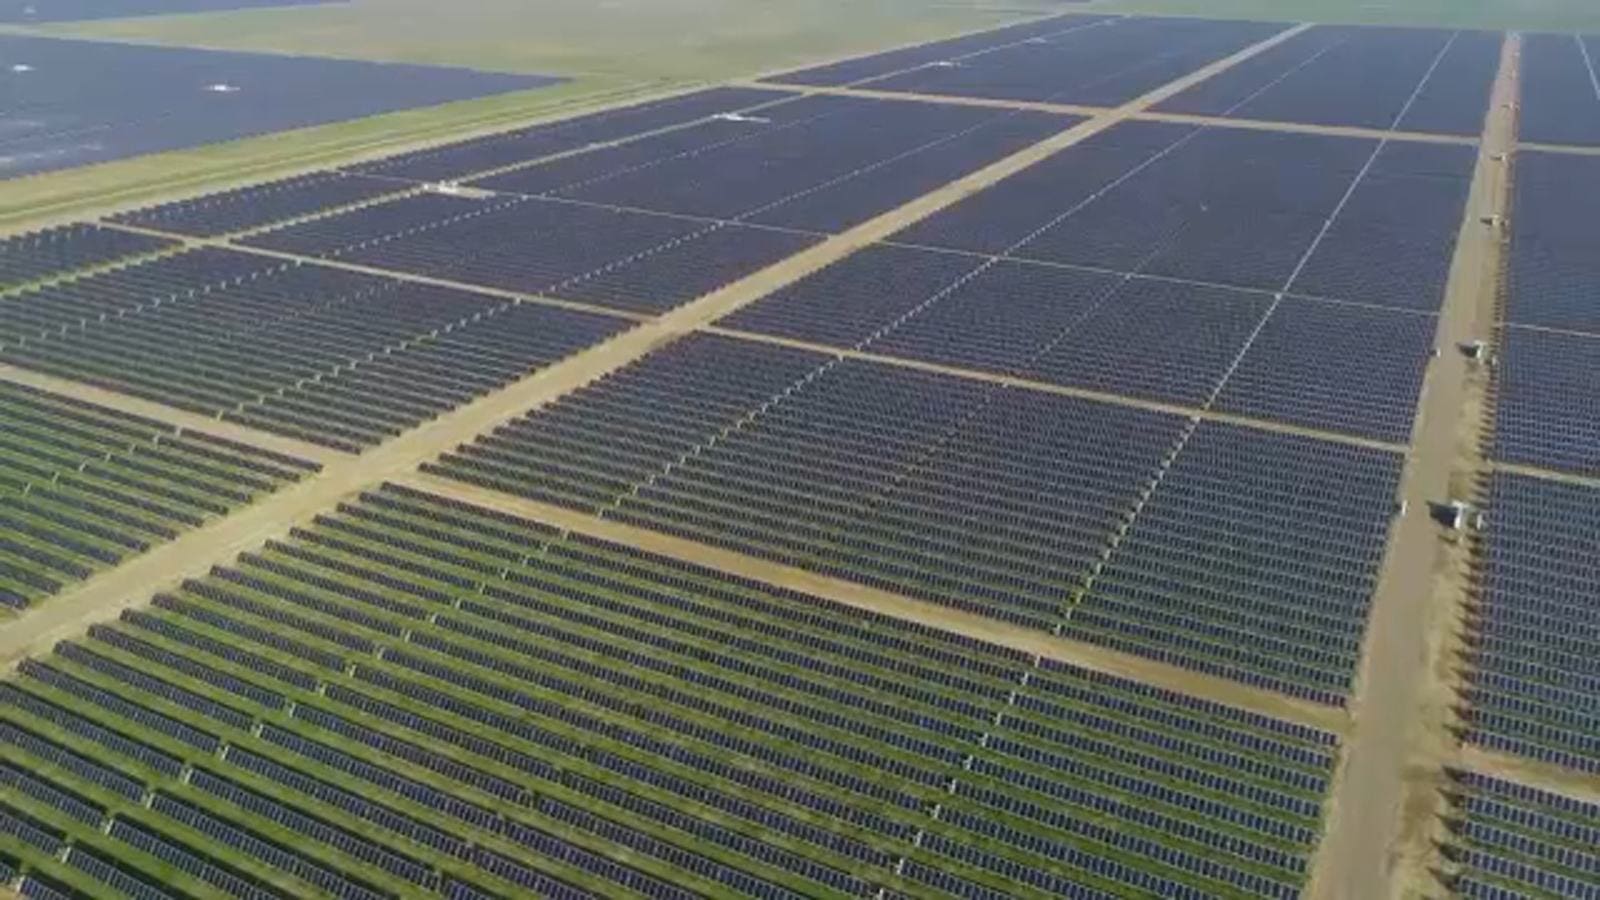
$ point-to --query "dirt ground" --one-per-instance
(1385, 801)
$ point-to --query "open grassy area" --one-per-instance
(627, 39)
(1522, 15)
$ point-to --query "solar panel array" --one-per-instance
(415, 693)
(637, 262)
(1555, 253)
(998, 501)
(1103, 63)
(330, 356)
(475, 155)
(39, 255)
(83, 487)
(259, 205)
(77, 102)
(1560, 96)
(1222, 333)
(1545, 378)
(1234, 207)
(1533, 688)
(1413, 79)
(861, 68)
(815, 163)
(1513, 841)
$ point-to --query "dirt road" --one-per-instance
(1385, 797)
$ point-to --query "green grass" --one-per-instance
(624, 39)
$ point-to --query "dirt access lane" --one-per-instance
(1385, 799)
(193, 554)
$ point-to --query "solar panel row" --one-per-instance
(327, 355)
(1515, 841)
(559, 714)
(1533, 690)
(477, 155)
(83, 487)
(246, 208)
(39, 255)
(1545, 398)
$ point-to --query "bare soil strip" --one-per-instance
(1547, 474)
(1555, 779)
(1559, 148)
(193, 554)
(1145, 116)
(1385, 803)
(169, 415)
(1028, 640)
(1063, 390)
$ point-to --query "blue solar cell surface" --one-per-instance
(1547, 400)
(1513, 841)
(1555, 248)
(1533, 686)
(73, 102)
(1406, 78)
(1103, 63)
(1560, 89)
(1254, 558)
(1344, 368)
(1141, 337)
